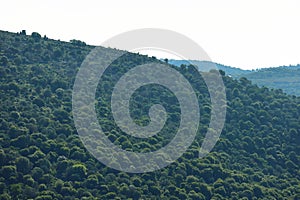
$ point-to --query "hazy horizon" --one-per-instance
(243, 34)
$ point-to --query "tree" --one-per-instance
(23, 165)
(36, 36)
(8, 171)
(23, 32)
(2, 157)
(4, 61)
(77, 172)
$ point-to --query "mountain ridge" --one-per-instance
(286, 78)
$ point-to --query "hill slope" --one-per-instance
(42, 157)
(203, 66)
(286, 78)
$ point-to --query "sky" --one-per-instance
(248, 34)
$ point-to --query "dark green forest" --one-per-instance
(42, 156)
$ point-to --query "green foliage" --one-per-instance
(23, 165)
(42, 157)
(283, 77)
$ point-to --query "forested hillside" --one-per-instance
(286, 78)
(42, 156)
(202, 66)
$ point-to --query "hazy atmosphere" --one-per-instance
(245, 34)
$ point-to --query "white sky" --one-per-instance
(240, 33)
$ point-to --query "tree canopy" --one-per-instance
(42, 156)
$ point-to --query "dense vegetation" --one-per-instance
(286, 78)
(204, 66)
(42, 157)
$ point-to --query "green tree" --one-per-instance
(23, 165)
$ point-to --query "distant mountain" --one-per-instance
(207, 65)
(286, 78)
